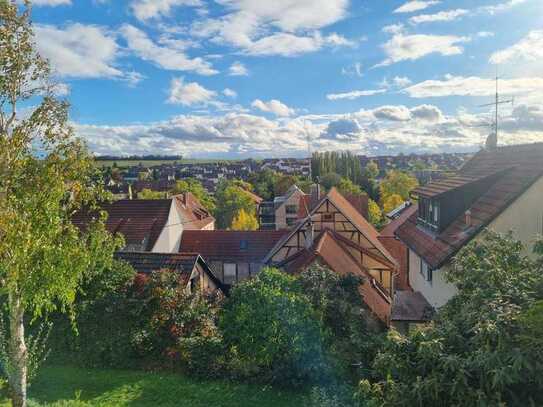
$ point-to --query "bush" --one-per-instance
(480, 351)
(271, 330)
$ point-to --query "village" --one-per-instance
(238, 203)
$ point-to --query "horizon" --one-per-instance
(238, 79)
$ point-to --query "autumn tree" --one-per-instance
(399, 183)
(231, 198)
(46, 174)
(391, 202)
(147, 193)
(374, 213)
(196, 188)
(244, 221)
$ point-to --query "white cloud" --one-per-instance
(427, 112)
(353, 70)
(415, 5)
(474, 86)
(393, 28)
(485, 34)
(449, 15)
(165, 57)
(279, 27)
(79, 51)
(529, 49)
(230, 93)
(238, 69)
(402, 47)
(393, 113)
(189, 94)
(355, 94)
(501, 7)
(147, 9)
(273, 106)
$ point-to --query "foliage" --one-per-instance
(196, 188)
(147, 193)
(244, 221)
(397, 183)
(330, 180)
(375, 214)
(231, 198)
(264, 183)
(346, 187)
(43, 256)
(346, 164)
(371, 171)
(480, 349)
(391, 202)
(271, 330)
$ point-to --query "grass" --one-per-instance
(61, 386)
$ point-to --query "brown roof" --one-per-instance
(390, 229)
(229, 245)
(516, 168)
(184, 263)
(328, 249)
(411, 306)
(140, 221)
(195, 215)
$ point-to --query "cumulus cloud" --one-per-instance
(427, 112)
(342, 128)
(148, 9)
(415, 5)
(449, 15)
(403, 47)
(474, 86)
(230, 93)
(528, 49)
(238, 69)
(189, 94)
(281, 27)
(355, 94)
(165, 57)
(79, 51)
(273, 106)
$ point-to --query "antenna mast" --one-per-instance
(496, 105)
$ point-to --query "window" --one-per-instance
(291, 209)
(429, 212)
(229, 270)
(426, 271)
(327, 217)
(291, 221)
(243, 271)
(243, 245)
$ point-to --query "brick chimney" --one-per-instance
(467, 217)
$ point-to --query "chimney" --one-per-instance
(310, 235)
(468, 220)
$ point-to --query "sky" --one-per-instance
(277, 78)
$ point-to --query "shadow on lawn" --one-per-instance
(69, 386)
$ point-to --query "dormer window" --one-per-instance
(429, 213)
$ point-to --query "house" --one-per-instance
(232, 255)
(499, 188)
(152, 225)
(336, 234)
(194, 273)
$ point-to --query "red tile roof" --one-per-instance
(520, 166)
(140, 221)
(228, 245)
(411, 306)
(195, 215)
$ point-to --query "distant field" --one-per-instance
(152, 163)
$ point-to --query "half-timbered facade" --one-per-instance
(338, 235)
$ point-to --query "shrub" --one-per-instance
(272, 331)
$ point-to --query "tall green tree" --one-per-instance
(231, 198)
(46, 174)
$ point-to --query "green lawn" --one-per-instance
(69, 386)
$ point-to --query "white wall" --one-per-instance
(524, 217)
(438, 291)
(170, 237)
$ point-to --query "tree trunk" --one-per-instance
(17, 353)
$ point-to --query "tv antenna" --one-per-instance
(492, 140)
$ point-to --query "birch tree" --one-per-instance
(46, 174)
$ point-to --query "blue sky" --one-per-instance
(241, 78)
